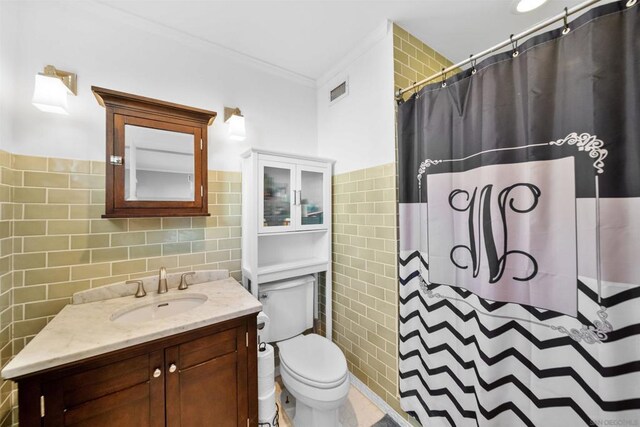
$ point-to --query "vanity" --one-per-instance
(181, 358)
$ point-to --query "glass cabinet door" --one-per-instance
(276, 204)
(311, 198)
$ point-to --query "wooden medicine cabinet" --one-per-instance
(156, 156)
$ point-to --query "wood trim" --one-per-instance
(113, 98)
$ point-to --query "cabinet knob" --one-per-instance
(172, 368)
(157, 373)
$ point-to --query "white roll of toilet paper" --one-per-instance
(266, 367)
(263, 322)
(267, 406)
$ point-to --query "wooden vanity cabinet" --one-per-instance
(205, 377)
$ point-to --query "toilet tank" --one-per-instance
(289, 305)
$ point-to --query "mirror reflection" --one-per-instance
(159, 164)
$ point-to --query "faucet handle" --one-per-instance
(183, 280)
(140, 292)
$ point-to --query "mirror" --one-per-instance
(159, 164)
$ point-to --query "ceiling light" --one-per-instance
(524, 6)
(52, 88)
(234, 118)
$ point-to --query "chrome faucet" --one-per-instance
(162, 281)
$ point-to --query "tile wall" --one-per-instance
(365, 289)
(53, 241)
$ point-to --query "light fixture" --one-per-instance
(51, 90)
(235, 119)
(524, 6)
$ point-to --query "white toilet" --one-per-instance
(313, 369)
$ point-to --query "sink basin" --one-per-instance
(160, 308)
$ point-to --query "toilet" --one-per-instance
(313, 369)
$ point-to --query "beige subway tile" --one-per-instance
(216, 233)
(218, 187)
(101, 281)
(166, 261)
(228, 198)
(68, 165)
(198, 222)
(29, 293)
(145, 251)
(176, 248)
(97, 168)
(31, 163)
(98, 197)
(235, 187)
(217, 256)
(109, 254)
(173, 223)
(229, 221)
(128, 267)
(63, 196)
(25, 328)
(46, 275)
(45, 243)
(190, 235)
(142, 224)
(219, 209)
(167, 236)
(192, 259)
(91, 271)
(44, 308)
(109, 225)
(55, 259)
(86, 211)
(45, 211)
(226, 176)
(75, 226)
(67, 289)
(95, 182)
(89, 241)
(29, 228)
(29, 195)
(46, 179)
(128, 239)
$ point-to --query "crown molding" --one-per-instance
(183, 37)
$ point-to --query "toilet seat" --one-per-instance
(313, 360)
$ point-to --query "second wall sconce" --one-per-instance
(234, 118)
(52, 88)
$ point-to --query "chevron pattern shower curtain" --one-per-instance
(520, 234)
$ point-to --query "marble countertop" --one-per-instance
(84, 330)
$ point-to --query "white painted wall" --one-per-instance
(358, 131)
(110, 49)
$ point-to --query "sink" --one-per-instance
(159, 308)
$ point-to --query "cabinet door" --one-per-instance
(276, 184)
(312, 200)
(207, 381)
(122, 393)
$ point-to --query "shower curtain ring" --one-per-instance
(631, 3)
(444, 78)
(473, 61)
(514, 46)
(566, 28)
(415, 90)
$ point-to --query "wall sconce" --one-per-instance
(235, 119)
(51, 89)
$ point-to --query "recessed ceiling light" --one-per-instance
(524, 6)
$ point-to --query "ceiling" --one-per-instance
(307, 37)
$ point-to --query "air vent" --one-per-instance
(338, 92)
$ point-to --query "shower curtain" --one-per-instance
(519, 191)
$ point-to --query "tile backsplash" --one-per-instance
(53, 241)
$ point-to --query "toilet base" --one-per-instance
(306, 416)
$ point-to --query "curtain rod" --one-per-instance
(509, 41)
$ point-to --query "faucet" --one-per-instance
(162, 281)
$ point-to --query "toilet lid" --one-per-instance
(313, 358)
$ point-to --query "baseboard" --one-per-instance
(377, 400)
